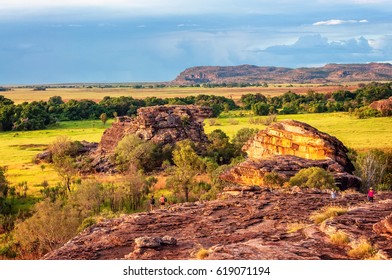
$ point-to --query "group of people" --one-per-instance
(370, 194)
(162, 202)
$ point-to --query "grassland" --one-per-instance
(19, 95)
(19, 148)
(359, 134)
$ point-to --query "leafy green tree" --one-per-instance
(219, 148)
(241, 137)
(261, 109)
(63, 151)
(187, 166)
(313, 177)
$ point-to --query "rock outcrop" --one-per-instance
(255, 224)
(287, 147)
(384, 106)
(160, 124)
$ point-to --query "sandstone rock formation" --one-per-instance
(287, 147)
(384, 106)
(252, 225)
(160, 124)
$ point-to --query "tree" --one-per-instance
(375, 168)
(219, 148)
(51, 225)
(63, 151)
(241, 137)
(313, 177)
(187, 166)
(3, 183)
(261, 109)
(103, 117)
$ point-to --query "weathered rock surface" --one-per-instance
(384, 106)
(251, 225)
(287, 147)
(159, 124)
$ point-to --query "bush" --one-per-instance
(274, 179)
(362, 250)
(313, 177)
(339, 238)
(202, 254)
(327, 213)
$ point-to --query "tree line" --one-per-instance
(312, 102)
(39, 114)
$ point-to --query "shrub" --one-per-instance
(88, 222)
(362, 250)
(313, 177)
(294, 227)
(339, 238)
(327, 213)
(274, 179)
(202, 254)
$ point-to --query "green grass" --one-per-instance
(359, 134)
(19, 148)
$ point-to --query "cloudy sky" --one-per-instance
(60, 41)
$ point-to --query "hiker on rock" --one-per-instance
(370, 195)
(152, 203)
(162, 201)
(333, 194)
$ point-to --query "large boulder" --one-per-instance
(160, 124)
(287, 147)
(384, 106)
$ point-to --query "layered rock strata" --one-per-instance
(289, 146)
(160, 124)
(251, 225)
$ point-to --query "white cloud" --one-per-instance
(339, 21)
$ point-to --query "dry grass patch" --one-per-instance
(327, 213)
(202, 254)
(294, 227)
(363, 250)
(339, 238)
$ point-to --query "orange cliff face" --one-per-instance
(299, 139)
(287, 147)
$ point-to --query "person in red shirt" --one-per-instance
(370, 195)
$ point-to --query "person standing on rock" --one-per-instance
(162, 201)
(152, 202)
(333, 194)
(370, 195)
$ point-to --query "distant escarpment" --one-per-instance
(287, 147)
(330, 73)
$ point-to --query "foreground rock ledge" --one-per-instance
(252, 225)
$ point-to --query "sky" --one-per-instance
(97, 41)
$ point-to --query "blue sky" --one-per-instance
(59, 41)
